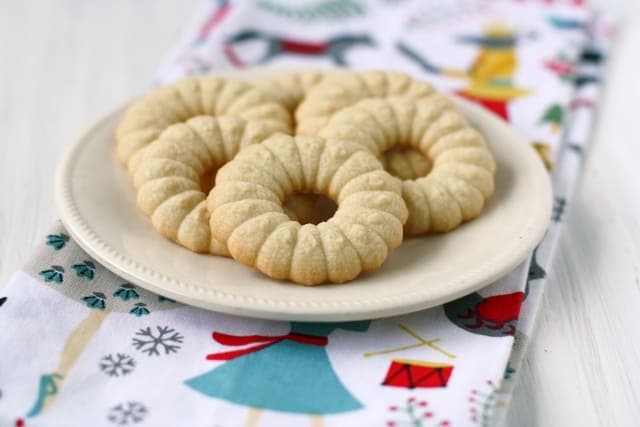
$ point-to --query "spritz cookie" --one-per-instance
(342, 89)
(147, 117)
(176, 171)
(459, 176)
(247, 212)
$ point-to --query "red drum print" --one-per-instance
(412, 374)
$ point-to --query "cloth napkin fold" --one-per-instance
(82, 346)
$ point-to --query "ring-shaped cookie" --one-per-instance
(247, 211)
(174, 174)
(147, 117)
(461, 176)
(289, 87)
(341, 89)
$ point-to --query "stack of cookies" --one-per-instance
(233, 168)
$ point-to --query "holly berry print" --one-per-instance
(563, 66)
(415, 374)
(414, 413)
(482, 404)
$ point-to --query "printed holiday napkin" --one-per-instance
(80, 346)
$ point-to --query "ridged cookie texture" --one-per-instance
(289, 87)
(147, 117)
(247, 212)
(342, 89)
(173, 174)
(460, 175)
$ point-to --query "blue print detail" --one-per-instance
(48, 387)
(263, 376)
(126, 291)
(140, 309)
(165, 299)
(53, 274)
(96, 300)
(85, 269)
(57, 241)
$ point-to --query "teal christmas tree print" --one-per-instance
(554, 115)
(139, 309)
(126, 291)
(57, 241)
(97, 289)
(261, 376)
(53, 274)
(96, 300)
(85, 269)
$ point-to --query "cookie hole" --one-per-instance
(208, 180)
(309, 208)
(405, 162)
(323, 209)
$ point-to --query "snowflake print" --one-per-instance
(151, 342)
(118, 365)
(127, 413)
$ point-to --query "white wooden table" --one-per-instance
(64, 63)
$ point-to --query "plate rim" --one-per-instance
(265, 308)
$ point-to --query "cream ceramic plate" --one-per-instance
(96, 203)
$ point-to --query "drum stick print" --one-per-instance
(422, 342)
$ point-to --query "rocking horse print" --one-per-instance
(335, 48)
(288, 373)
